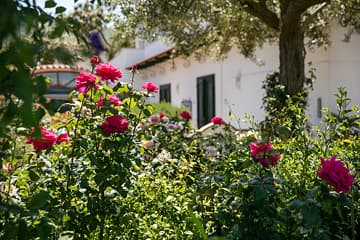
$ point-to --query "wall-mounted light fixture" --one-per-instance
(238, 80)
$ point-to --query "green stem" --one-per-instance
(353, 232)
(102, 215)
(131, 91)
(69, 168)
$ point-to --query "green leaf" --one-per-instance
(60, 10)
(33, 176)
(127, 163)
(107, 89)
(199, 226)
(259, 194)
(44, 230)
(126, 102)
(39, 200)
(311, 215)
(50, 4)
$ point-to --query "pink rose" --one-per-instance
(334, 173)
(150, 87)
(46, 140)
(6, 167)
(217, 120)
(114, 100)
(185, 115)
(264, 153)
(86, 81)
(115, 124)
(107, 71)
(155, 118)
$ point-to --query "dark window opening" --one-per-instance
(205, 87)
(165, 93)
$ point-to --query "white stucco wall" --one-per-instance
(238, 80)
(344, 66)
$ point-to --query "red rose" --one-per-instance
(94, 60)
(47, 139)
(115, 124)
(150, 87)
(217, 120)
(334, 173)
(185, 115)
(85, 81)
(107, 71)
(264, 153)
(100, 103)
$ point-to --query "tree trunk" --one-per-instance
(292, 53)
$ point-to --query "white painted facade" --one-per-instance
(238, 80)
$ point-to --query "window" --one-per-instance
(205, 99)
(165, 93)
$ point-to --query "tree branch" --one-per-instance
(300, 6)
(312, 16)
(260, 10)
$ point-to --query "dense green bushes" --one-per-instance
(111, 169)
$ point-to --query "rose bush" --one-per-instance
(111, 168)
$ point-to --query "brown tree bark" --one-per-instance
(291, 47)
(291, 34)
(292, 56)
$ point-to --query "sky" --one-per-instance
(68, 4)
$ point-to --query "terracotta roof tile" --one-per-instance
(59, 68)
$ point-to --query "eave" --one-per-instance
(153, 60)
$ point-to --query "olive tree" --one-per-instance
(208, 26)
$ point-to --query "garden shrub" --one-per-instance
(112, 168)
(168, 109)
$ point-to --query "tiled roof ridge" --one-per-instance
(59, 67)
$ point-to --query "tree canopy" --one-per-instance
(215, 26)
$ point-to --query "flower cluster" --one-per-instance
(115, 124)
(47, 139)
(158, 117)
(334, 173)
(264, 153)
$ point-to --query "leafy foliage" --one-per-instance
(283, 111)
(214, 28)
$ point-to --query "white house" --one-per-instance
(208, 87)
